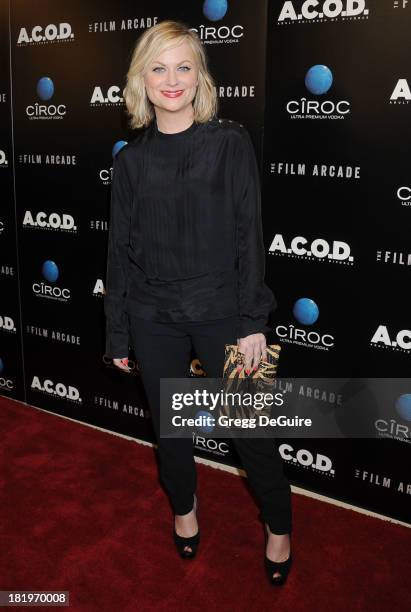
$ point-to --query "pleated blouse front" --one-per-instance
(185, 237)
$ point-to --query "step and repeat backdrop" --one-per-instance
(337, 218)
(324, 90)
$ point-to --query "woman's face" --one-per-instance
(171, 79)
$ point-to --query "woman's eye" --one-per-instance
(157, 68)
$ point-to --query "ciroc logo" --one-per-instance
(392, 428)
(51, 273)
(215, 10)
(306, 312)
(45, 91)
(404, 195)
(211, 445)
(117, 147)
(318, 81)
(6, 383)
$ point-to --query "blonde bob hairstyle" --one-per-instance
(151, 44)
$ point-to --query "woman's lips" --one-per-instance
(172, 94)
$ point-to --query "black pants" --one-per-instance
(164, 350)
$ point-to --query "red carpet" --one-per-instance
(82, 511)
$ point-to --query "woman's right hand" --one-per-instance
(122, 364)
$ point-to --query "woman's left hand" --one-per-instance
(253, 347)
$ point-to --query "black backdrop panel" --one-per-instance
(335, 156)
(11, 357)
(336, 205)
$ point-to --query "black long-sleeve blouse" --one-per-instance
(185, 236)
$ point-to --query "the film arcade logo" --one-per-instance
(215, 10)
(396, 258)
(7, 270)
(399, 341)
(40, 35)
(53, 335)
(401, 4)
(315, 11)
(47, 159)
(319, 249)
(384, 481)
(318, 81)
(58, 390)
(45, 91)
(50, 290)
(121, 406)
(319, 170)
(306, 312)
(122, 25)
(401, 93)
(53, 221)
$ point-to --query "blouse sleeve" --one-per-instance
(117, 331)
(256, 300)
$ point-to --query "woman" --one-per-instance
(186, 263)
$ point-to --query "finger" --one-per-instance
(241, 349)
(248, 358)
(264, 354)
(256, 356)
(121, 365)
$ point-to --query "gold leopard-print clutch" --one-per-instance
(260, 380)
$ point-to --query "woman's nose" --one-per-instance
(172, 78)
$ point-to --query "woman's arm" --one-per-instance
(255, 297)
(117, 333)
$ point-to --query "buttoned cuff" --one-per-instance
(250, 326)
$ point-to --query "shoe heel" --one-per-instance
(192, 541)
(282, 567)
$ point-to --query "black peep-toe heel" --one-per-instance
(283, 567)
(192, 541)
